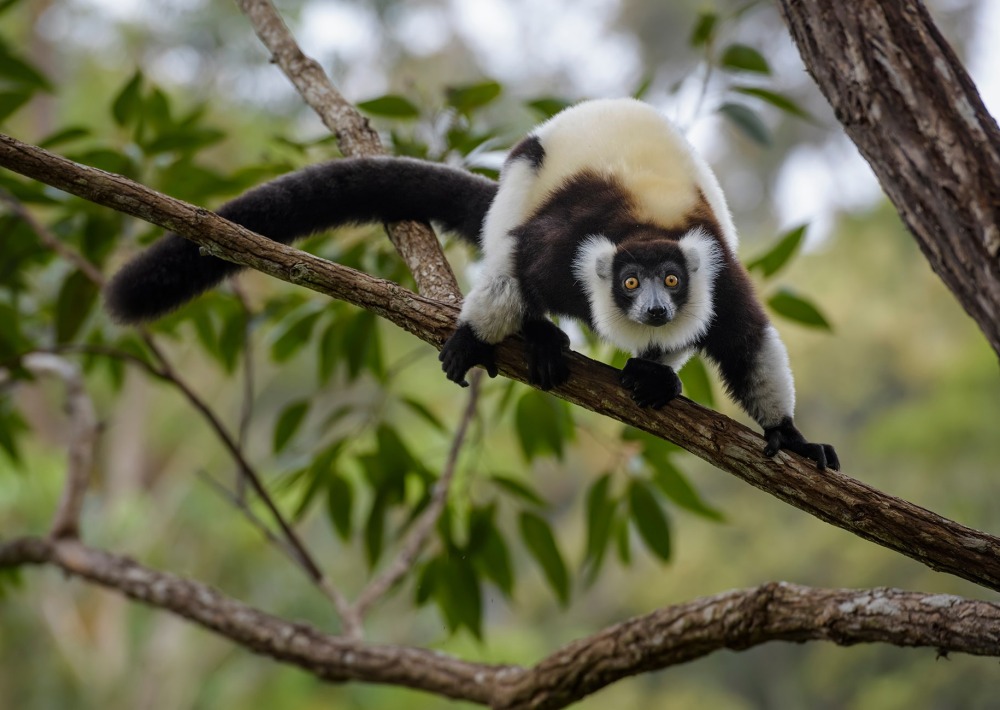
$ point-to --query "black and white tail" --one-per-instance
(332, 194)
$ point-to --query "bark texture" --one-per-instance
(910, 107)
(736, 620)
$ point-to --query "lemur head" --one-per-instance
(649, 280)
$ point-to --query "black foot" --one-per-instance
(786, 436)
(650, 383)
(545, 347)
(462, 351)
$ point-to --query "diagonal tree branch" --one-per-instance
(738, 619)
(415, 242)
(834, 497)
(910, 107)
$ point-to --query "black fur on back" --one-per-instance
(324, 196)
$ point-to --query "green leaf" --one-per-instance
(548, 106)
(795, 308)
(747, 120)
(541, 544)
(21, 73)
(73, 304)
(543, 424)
(375, 527)
(466, 99)
(740, 57)
(675, 486)
(125, 108)
(11, 101)
(289, 420)
(424, 413)
(650, 519)
(777, 100)
(458, 595)
(493, 561)
(601, 509)
(771, 261)
(183, 140)
(391, 106)
(704, 29)
(365, 351)
(697, 385)
(66, 135)
(339, 501)
(11, 424)
(295, 334)
(518, 489)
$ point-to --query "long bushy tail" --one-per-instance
(340, 192)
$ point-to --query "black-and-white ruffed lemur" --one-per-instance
(604, 213)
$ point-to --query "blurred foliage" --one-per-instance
(350, 421)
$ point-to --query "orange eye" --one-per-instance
(671, 281)
(631, 283)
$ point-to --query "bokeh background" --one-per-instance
(904, 385)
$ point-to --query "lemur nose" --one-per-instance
(656, 311)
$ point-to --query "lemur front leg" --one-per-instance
(651, 376)
(492, 311)
(545, 347)
(763, 385)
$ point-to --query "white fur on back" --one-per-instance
(684, 330)
(642, 149)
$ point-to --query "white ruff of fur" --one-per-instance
(772, 390)
(692, 320)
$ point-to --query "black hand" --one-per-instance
(464, 350)
(650, 383)
(545, 347)
(786, 436)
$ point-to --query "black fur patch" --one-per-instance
(529, 149)
(737, 332)
(545, 347)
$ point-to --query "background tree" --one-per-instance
(383, 453)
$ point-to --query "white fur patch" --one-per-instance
(771, 396)
(638, 146)
(614, 326)
(494, 306)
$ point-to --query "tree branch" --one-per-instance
(415, 242)
(908, 104)
(677, 634)
(84, 429)
(831, 496)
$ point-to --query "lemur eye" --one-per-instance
(671, 281)
(631, 283)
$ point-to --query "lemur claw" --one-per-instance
(786, 436)
(650, 383)
(464, 350)
(545, 348)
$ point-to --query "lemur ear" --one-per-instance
(603, 265)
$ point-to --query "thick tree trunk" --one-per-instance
(910, 107)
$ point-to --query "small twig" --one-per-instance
(51, 241)
(303, 556)
(240, 504)
(246, 409)
(418, 535)
(84, 429)
(416, 243)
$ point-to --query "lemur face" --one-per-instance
(650, 281)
